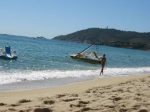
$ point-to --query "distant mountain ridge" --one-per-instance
(20, 36)
(16, 36)
(110, 37)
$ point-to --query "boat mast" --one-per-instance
(86, 49)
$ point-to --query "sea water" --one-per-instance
(45, 62)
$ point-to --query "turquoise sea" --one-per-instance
(44, 63)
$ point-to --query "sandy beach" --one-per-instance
(114, 94)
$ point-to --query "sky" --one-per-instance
(51, 18)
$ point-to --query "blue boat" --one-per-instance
(7, 54)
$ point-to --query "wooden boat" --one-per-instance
(7, 54)
(90, 57)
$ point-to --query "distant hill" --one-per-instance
(110, 37)
(13, 36)
(18, 36)
(40, 37)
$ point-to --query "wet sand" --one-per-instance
(115, 94)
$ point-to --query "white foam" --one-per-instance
(126, 71)
(19, 76)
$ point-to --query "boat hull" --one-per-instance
(8, 58)
(92, 61)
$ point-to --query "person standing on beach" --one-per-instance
(103, 63)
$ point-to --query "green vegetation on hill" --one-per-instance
(110, 37)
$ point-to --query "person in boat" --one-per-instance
(103, 63)
(95, 54)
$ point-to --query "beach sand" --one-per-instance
(114, 94)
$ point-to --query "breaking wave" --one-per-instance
(19, 76)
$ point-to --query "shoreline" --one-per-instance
(42, 84)
(73, 93)
(56, 82)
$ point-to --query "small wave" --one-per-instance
(19, 76)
